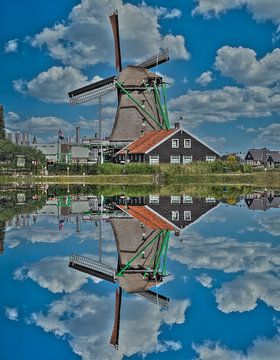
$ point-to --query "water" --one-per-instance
(206, 286)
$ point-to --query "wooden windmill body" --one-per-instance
(140, 107)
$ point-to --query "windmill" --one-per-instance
(141, 94)
(137, 275)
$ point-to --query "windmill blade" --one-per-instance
(155, 298)
(114, 341)
(155, 60)
(114, 20)
(92, 91)
(92, 267)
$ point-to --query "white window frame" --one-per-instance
(175, 199)
(175, 215)
(187, 159)
(154, 199)
(175, 143)
(210, 158)
(187, 215)
(210, 200)
(154, 159)
(176, 161)
(187, 143)
(187, 199)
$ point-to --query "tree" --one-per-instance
(2, 124)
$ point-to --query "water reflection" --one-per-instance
(172, 276)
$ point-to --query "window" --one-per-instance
(187, 159)
(210, 158)
(175, 143)
(210, 200)
(154, 199)
(187, 143)
(187, 199)
(175, 199)
(175, 215)
(187, 215)
(154, 159)
(175, 159)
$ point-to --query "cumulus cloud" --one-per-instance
(86, 320)
(262, 348)
(243, 293)
(260, 10)
(11, 313)
(85, 37)
(11, 46)
(226, 104)
(217, 142)
(205, 78)
(269, 135)
(242, 65)
(228, 255)
(54, 84)
(53, 273)
(205, 280)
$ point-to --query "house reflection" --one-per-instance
(142, 234)
(263, 201)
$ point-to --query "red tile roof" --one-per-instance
(147, 217)
(146, 142)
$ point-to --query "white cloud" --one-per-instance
(217, 142)
(86, 321)
(242, 65)
(243, 293)
(53, 273)
(269, 135)
(85, 37)
(205, 280)
(11, 313)
(226, 104)
(228, 255)
(261, 10)
(11, 46)
(261, 349)
(205, 78)
(54, 84)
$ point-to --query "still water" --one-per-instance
(118, 277)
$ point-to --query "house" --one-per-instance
(273, 159)
(49, 150)
(265, 157)
(176, 146)
(80, 154)
(173, 212)
(263, 202)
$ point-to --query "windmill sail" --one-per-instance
(92, 91)
(155, 60)
(114, 341)
(92, 267)
(114, 20)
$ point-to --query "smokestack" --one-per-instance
(17, 138)
(78, 135)
(78, 223)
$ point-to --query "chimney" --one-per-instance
(78, 135)
(177, 125)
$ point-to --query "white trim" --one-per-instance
(189, 157)
(187, 218)
(217, 205)
(178, 144)
(163, 218)
(187, 147)
(175, 159)
(154, 162)
(188, 133)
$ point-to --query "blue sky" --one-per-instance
(223, 73)
(224, 282)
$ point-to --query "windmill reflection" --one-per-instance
(142, 232)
